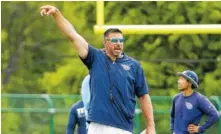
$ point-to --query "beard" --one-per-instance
(117, 52)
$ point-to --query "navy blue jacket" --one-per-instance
(77, 117)
(190, 110)
(114, 86)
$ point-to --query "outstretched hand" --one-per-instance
(47, 10)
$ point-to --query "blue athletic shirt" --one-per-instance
(113, 88)
(190, 110)
(77, 117)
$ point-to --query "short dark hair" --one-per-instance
(192, 86)
(112, 30)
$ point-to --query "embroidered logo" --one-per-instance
(81, 112)
(188, 105)
(210, 104)
(126, 67)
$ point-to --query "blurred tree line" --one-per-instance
(37, 58)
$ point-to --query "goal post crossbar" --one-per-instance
(100, 26)
(162, 29)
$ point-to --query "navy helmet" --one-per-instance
(191, 76)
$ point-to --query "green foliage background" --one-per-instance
(37, 58)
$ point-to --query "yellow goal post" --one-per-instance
(100, 27)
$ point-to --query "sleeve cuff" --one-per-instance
(201, 130)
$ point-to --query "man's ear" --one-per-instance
(105, 43)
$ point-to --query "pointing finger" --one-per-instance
(43, 12)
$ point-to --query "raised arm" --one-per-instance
(66, 27)
(147, 110)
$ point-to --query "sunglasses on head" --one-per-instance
(115, 40)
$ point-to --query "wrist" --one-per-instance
(200, 129)
(56, 13)
(150, 125)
